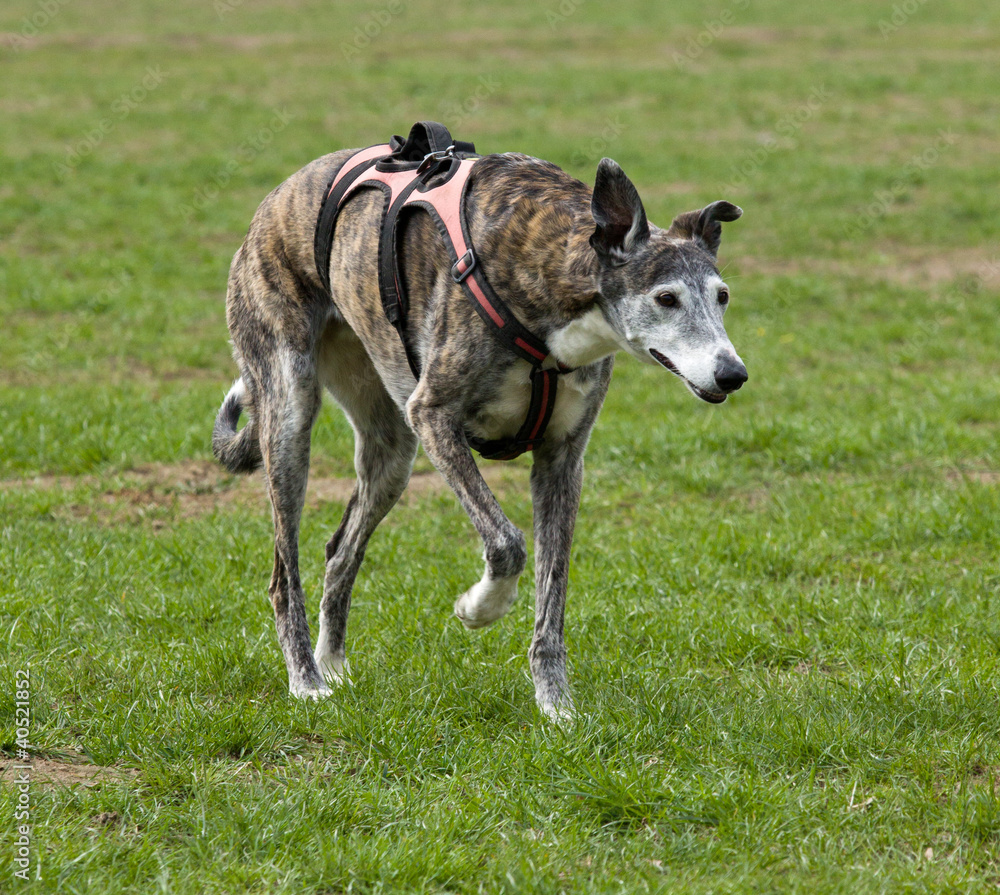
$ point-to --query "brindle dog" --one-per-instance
(582, 269)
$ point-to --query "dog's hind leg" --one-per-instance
(286, 413)
(384, 450)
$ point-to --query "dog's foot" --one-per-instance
(561, 712)
(308, 685)
(486, 601)
(552, 690)
(336, 670)
(305, 691)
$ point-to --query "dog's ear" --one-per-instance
(618, 213)
(705, 225)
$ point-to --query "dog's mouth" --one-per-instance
(704, 394)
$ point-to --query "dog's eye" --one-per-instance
(723, 296)
(667, 300)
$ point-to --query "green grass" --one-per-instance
(784, 615)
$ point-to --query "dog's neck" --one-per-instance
(566, 270)
(586, 336)
(533, 222)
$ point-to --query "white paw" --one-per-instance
(486, 601)
(304, 691)
(561, 713)
(336, 670)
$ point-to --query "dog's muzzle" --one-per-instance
(730, 374)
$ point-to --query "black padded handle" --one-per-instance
(426, 137)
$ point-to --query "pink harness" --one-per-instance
(436, 181)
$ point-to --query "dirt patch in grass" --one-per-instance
(984, 777)
(755, 499)
(903, 265)
(161, 492)
(49, 773)
(977, 476)
(812, 666)
(89, 41)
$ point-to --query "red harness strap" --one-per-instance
(438, 184)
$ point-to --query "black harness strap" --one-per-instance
(430, 171)
(394, 300)
(332, 197)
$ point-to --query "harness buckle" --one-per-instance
(433, 158)
(463, 266)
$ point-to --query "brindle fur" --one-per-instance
(535, 235)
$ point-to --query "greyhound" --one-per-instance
(582, 269)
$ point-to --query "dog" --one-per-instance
(581, 268)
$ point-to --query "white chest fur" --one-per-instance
(582, 341)
(503, 417)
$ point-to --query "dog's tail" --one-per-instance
(239, 451)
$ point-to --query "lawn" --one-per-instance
(784, 612)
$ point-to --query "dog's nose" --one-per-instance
(730, 374)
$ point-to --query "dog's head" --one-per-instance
(660, 290)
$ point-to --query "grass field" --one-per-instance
(784, 614)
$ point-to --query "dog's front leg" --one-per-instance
(556, 483)
(441, 433)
